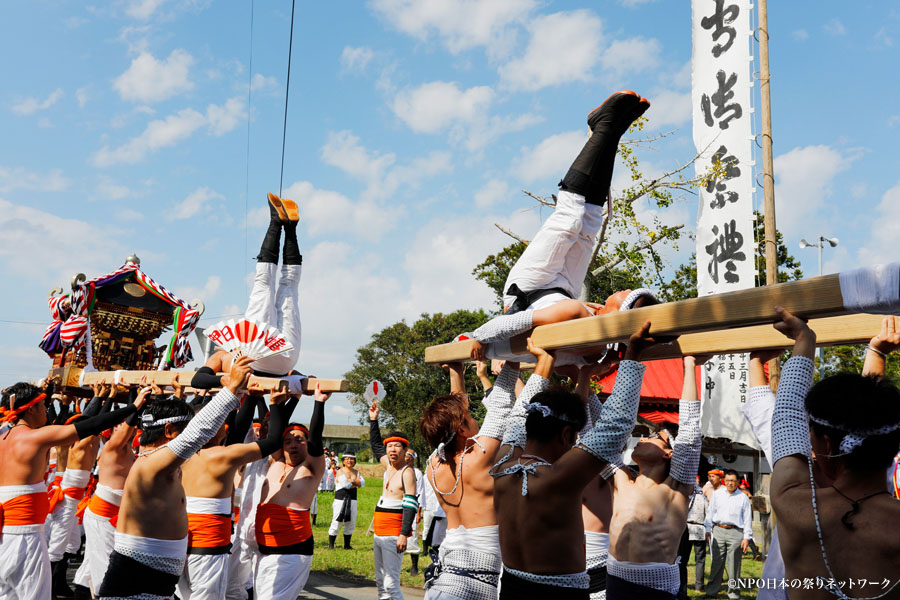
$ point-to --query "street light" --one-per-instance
(820, 244)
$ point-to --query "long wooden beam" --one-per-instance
(815, 297)
(76, 377)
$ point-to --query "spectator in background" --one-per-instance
(714, 483)
(744, 486)
(729, 529)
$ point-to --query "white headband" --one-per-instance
(147, 420)
(854, 437)
(546, 411)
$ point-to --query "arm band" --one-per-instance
(607, 439)
(790, 422)
(316, 426)
(758, 412)
(242, 422)
(410, 506)
(205, 378)
(93, 407)
(273, 440)
(686, 447)
(102, 422)
(502, 396)
(204, 425)
(375, 440)
(135, 417)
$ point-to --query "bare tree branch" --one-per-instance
(543, 201)
(510, 233)
(640, 247)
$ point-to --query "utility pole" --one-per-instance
(768, 168)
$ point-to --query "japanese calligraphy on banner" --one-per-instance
(722, 115)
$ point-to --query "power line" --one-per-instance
(287, 92)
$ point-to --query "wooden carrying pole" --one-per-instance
(809, 298)
(72, 377)
(770, 230)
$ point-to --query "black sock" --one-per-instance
(331, 539)
(347, 541)
(268, 253)
(415, 563)
(292, 254)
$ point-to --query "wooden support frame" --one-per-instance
(809, 298)
(76, 377)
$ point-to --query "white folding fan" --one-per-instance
(248, 338)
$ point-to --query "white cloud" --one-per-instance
(669, 108)
(205, 293)
(835, 27)
(491, 193)
(883, 37)
(881, 243)
(151, 80)
(460, 24)
(440, 105)
(634, 3)
(328, 212)
(198, 202)
(261, 82)
(44, 123)
(19, 178)
(128, 214)
(549, 158)
(166, 132)
(379, 170)
(135, 37)
(804, 180)
(82, 95)
(31, 104)
(24, 245)
(564, 47)
(342, 411)
(894, 120)
(432, 106)
(800, 34)
(143, 9)
(110, 189)
(626, 57)
(356, 58)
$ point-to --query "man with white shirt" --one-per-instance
(729, 526)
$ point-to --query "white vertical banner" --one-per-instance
(722, 115)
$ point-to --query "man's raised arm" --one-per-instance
(375, 439)
(499, 404)
(686, 446)
(790, 421)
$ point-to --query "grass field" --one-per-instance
(358, 563)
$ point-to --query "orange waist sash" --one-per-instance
(102, 508)
(208, 531)
(278, 525)
(29, 509)
(388, 521)
(56, 495)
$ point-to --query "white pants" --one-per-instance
(240, 570)
(440, 527)
(349, 526)
(205, 577)
(314, 507)
(388, 564)
(412, 542)
(99, 539)
(24, 567)
(278, 308)
(61, 525)
(281, 576)
(560, 253)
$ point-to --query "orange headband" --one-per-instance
(295, 428)
(396, 438)
(15, 413)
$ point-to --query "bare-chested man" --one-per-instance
(101, 515)
(851, 422)
(208, 479)
(283, 531)
(24, 504)
(650, 509)
(469, 557)
(276, 305)
(151, 534)
(396, 510)
(540, 479)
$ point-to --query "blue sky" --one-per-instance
(412, 127)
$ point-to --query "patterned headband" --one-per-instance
(854, 437)
(147, 420)
(546, 411)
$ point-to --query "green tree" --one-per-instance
(394, 357)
